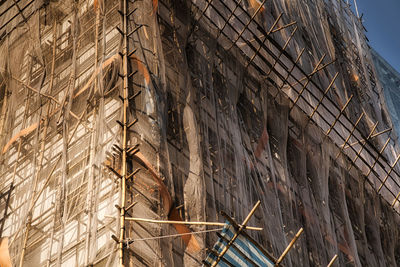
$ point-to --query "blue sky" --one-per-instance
(381, 19)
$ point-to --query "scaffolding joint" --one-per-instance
(135, 95)
(132, 123)
(134, 30)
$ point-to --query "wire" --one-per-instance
(167, 236)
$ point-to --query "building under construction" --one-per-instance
(390, 81)
(125, 122)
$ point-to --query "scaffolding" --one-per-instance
(58, 148)
(298, 85)
(103, 75)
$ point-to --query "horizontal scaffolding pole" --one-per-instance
(184, 222)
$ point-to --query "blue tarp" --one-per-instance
(243, 252)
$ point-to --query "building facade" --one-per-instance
(390, 80)
(180, 109)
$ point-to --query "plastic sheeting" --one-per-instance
(214, 134)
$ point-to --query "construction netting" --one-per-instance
(240, 101)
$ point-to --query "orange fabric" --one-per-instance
(256, 4)
(343, 247)
(142, 69)
(192, 245)
(166, 197)
(262, 143)
(155, 6)
(190, 240)
(21, 133)
(5, 260)
(95, 73)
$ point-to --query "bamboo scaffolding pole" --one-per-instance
(89, 199)
(54, 206)
(396, 199)
(281, 51)
(298, 81)
(284, 80)
(215, 253)
(7, 201)
(237, 249)
(50, 174)
(63, 182)
(378, 156)
(228, 19)
(280, 259)
(274, 43)
(362, 146)
(124, 135)
(47, 180)
(247, 25)
(28, 218)
(48, 260)
(324, 95)
(363, 141)
(93, 142)
(41, 156)
(101, 125)
(350, 135)
(26, 104)
(272, 30)
(340, 114)
(265, 37)
(184, 222)
(3, 115)
(235, 236)
(309, 77)
(332, 261)
(284, 26)
(33, 89)
(388, 174)
(204, 11)
(284, 66)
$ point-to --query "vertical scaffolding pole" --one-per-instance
(6, 196)
(126, 151)
(124, 135)
(42, 148)
(93, 149)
